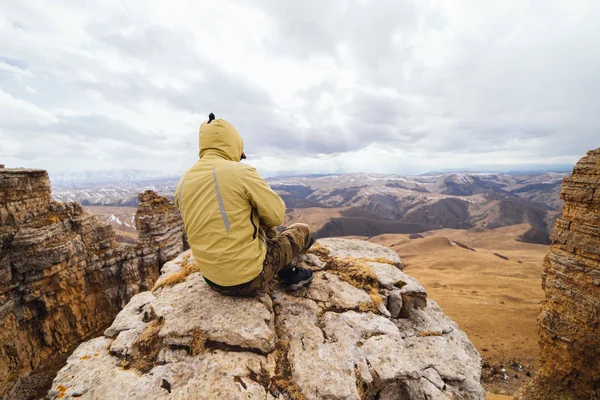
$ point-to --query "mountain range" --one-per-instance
(377, 204)
(372, 204)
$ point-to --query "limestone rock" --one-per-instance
(25, 194)
(388, 275)
(197, 308)
(569, 322)
(311, 261)
(159, 223)
(325, 342)
(333, 292)
(395, 304)
(63, 276)
(131, 317)
(217, 374)
(359, 249)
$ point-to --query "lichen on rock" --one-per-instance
(316, 343)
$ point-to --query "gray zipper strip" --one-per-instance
(221, 206)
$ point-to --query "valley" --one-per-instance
(378, 204)
(371, 205)
(476, 243)
(121, 219)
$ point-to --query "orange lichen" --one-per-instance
(187, 268)
(320, 251)
(61, 391)
(376, 297)
(379, 260)
(85, 357)
(366, 307)
(355, 272)
(282, 379)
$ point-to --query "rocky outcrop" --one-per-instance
(63, 276)
(569, 322)
(159, 226)
(362, 330)
(24, 193)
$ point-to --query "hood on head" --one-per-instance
(218, 137)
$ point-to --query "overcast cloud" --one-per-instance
(313, 86)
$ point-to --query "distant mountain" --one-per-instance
(116, 193)
(377, 203)
(86, 178)
(425, 202)
(508, 169)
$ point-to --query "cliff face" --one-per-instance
(362, 330)
(570, 317)
(63, 276)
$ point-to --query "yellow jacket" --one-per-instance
(223, 204)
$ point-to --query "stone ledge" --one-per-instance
(327, 341)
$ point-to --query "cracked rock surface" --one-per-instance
(334, 340)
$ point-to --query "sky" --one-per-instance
(375, 86)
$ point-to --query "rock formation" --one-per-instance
(570, 317)
(63, 277)
(363, 330)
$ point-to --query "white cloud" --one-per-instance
(17, 114)
(381, 86)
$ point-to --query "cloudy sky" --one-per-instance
(312, 86)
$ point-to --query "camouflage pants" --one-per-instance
(282, 248)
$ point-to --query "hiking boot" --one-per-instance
(296, 278)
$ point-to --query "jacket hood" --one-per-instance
(218, 137)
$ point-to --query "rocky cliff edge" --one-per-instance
(63, 275)
(363, 330)
(569, 322)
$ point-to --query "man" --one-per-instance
(227, 210)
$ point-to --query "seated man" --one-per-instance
(227, 208)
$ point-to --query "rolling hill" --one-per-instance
(369, 204)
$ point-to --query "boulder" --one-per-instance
(333, 340)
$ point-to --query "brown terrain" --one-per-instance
(378, 204)
(315, 217)
(492, 396)
(121, 219)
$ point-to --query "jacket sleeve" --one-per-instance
(268, 204)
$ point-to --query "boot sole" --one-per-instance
(300, 285)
